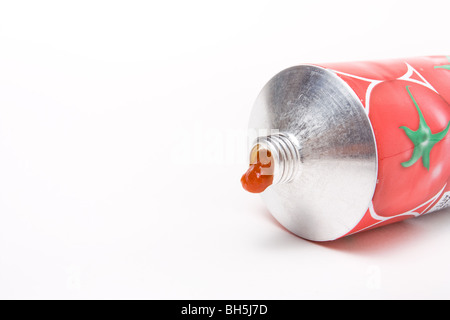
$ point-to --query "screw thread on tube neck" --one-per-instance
(284, 150)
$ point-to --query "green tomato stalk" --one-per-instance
(423, 139)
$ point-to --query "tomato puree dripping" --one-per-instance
(260, 172)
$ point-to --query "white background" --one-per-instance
(121, 126)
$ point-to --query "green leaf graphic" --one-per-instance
(422, 138)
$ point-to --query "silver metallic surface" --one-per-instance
(336, 161)
(285, 152)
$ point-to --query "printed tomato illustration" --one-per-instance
(374, 70)
(435, 70)
(411, 123)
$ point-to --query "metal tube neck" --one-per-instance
(285, 153)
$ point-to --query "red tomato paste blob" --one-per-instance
(260, 173)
